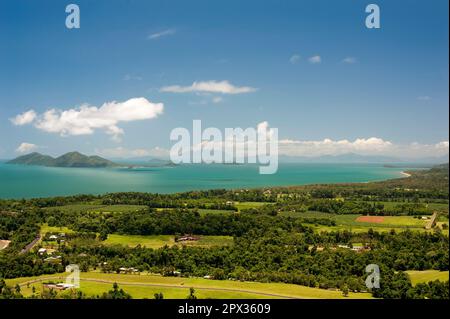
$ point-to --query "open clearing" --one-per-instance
(423, 276)
(352, 222)
(158, 241)
(370, 219)
(149, 241)
(4, 243)
(248, 205)
(98, 208)
(144, 286)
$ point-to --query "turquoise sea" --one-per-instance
(17, 181)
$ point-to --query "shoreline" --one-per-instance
(405, 174)
(402, 174)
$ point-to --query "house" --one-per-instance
(4, 243)
(186, 238)
(59, 286)
(125, 270)
(56, 259)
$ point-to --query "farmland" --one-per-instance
(146, 285)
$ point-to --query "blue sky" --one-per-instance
(390, 84)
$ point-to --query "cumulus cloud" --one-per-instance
(349, 60)
(294, 59)
(315, 59)
(223, 87)
(333, 147)
(361, 146)
(161, 34)
(442, 145)
(121, 152)
(86, 119)
(24, 118)
(26, 148)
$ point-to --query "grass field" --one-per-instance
(247, 205)
(215, 211)
(423, 276)
(350, 222)
(54, 229)
(144, 286)
(157, 241)
(430, 206)
(150, 241)
(98, 208)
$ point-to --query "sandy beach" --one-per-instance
(406, 174)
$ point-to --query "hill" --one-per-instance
(72, 159)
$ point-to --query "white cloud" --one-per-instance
(315, 59)
(161, 34)
(26, 148)
(333, 147)
(86, 119)
(442, 145)
(223, 87)
(349, 60)
(361, 146)
(121, 152)
(217, 99)
(294, 59)
(24, 118)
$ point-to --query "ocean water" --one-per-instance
(19, 181)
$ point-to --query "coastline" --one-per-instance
(405, 174)
(183, 179)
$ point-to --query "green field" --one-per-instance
(149, 241)
(157, 241)
(54, 229)
(215, 211)
(145, 285)
(349, 222)
(248, 205)
(423, 276)
(97, 208)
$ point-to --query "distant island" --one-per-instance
(72, 159)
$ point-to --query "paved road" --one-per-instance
(31, 245)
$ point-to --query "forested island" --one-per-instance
(72, 159)
(310, 241)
